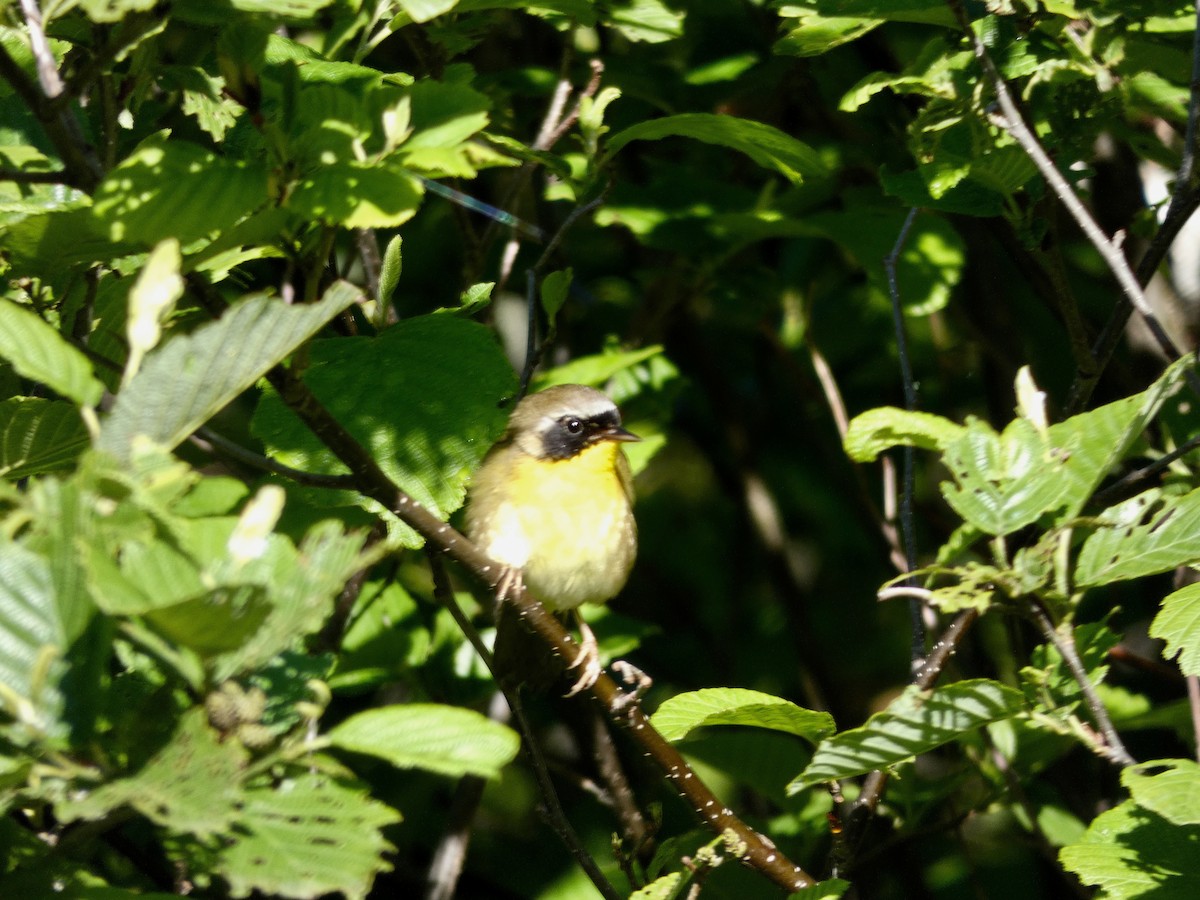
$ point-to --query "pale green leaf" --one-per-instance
(814, 34)
(681, 714)
(649, 21)
(1178, 624)
(1168, 787)
(831, 889)
(113, 10)
(38, 436)
(41, 354)
(914, 723)
(880, 429)
(1148, 534)
(555, 288)
(191, 377)
(662, 888)
(1129, 852)
(307, 837)
(191, 785)
(172, 188)
(444, 739)
(1004, 482)
(424, 10)
(1091, 443)
(767, 146)
(597, 369)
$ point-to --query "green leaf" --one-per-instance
(1004, 482)
(880, 429)
(649, 21)
(662, 888)
(1132, 853)
(1091, 443)
(1148, 534)
(303, 583)
(422, 397)
(113, 10)
(831, 889)
(444, 739)
(40, 353)
(1178, 624)
(357, 195)
(424, 10)
(191, 377)
(215, 622)
(814, 34)
(597, 369)
(33, 638)
(555, 288)
(767, 146)
(39, 436)
(307, 837)
(191, 785)
(913, 724)
(683, 713)
(1171, 790)
(172, 188)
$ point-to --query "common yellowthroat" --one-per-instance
(553, 502)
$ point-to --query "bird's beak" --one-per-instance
(618, 434)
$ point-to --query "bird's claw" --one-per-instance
(587, 660)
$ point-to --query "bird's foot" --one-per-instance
(636, 679)
(587, 660)
(511, 583)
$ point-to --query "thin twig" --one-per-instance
(214, 442)
(20, 176)
(1139, 479)
(59, 122)
(907, 526)
(533, 351)
(556, 818)
(862, 809)
(1114, 748)
(1011, 120)
(1185, 200)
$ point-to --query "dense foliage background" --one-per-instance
(228, 227)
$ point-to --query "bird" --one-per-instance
(552, 502)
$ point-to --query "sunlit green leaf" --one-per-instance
(308, 836)
(681, 714)
(1130, 852)
(40, 353)
(189, 378)
(1150, 533)
(38, 436)
(1168, 787)
(1178, 624)
(444, 739)
(877, 430)
(767, 146)
(914, 723)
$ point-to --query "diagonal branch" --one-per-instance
(755, 850)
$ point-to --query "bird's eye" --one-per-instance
(573, 425)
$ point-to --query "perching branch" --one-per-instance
(756, 850)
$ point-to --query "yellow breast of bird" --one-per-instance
(568, 525)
